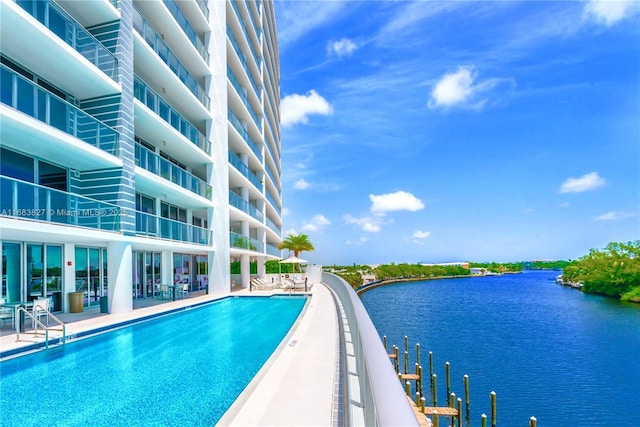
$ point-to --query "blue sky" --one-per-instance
(432, 131)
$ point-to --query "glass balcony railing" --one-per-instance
(243, 61)
(239, 90)
(160, 166)
(165, 228)
(273, 250)
(191, 34)
(256, 29)
(244, 242)
(37, 102)
(64, 26)
(168, 57)
(274, 227)
(202, 4)
(244, 170)
(273, 203)
(273, 179)
(25, 200)
(245, 32)
(238, 202)
(245, 135)
(159, 106)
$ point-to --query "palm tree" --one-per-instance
(296, 243)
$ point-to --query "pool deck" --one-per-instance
(297, 385)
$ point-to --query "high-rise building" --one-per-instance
(140, 147)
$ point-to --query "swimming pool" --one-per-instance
(182, 369)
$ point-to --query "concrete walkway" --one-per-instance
(296, 387)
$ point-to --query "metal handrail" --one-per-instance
(36, 322)
(384, 403)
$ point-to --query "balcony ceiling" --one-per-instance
(36, 48)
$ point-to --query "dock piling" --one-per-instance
(434, 389)
(493, 409)
(483, 420)
(533, 422)
(447, 375)
(466, 398)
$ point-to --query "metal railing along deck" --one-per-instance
(374, 392)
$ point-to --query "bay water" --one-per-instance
(565, 357)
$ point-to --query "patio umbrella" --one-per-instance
(293, 260)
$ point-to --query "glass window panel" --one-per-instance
(11, 271)
(6, 88)
(52, 176)
(54, 275)
(26, 93)
(16, 165)
(94, 275)
(57, 23)
(82, 271)
(58, 113)
(35, 272)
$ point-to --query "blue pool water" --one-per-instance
(183, 369)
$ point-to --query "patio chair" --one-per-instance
(182, 290)
(165, 293)
(6, 313)
(41, 308)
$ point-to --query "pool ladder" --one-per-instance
(38, 311)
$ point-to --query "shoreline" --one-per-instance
(365, 288)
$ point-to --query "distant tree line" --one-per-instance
(613, 271)
(494, 267)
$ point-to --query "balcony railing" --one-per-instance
(244, 242)
(245, 135)
(202, 4)
(245, 32)
(160, 166)
(25, 200)
(238, 87)
(191, 34)
(244, 170)
(64, 26)
(273, 203)
(161, 107)
(273, 250)
(246, 207)
(273, 179)
(274, 227)
(243, 60)
(154, 40)
(253, 22)
(169, 229)
(31, 99)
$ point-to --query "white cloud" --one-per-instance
(420, 234)
(398, 201)
(285, 211)
(301, 184)
(317, 223)
(586, 182)
(367, 223)
(295, 108)
(343, 47)
(461, 89)
(296, 19)
(613, 216)
(358, 242)
(610, 12)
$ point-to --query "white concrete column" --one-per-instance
(245, 270)
(166, 268)
(262, 271)
(69, 282)
(120, 266)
